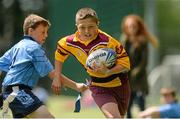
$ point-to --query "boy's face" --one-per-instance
(40, 33)
(87, 28)
(167, 98)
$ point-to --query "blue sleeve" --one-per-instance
(5, 61)
(41, 63)
(165, 111)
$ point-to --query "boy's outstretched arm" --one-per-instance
(60, 80)
(151, 112)
(51, 74)
(57, 81)
(80, 87)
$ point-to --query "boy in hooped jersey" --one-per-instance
(24, 64)
(110, 87)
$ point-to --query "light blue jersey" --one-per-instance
(25, 63)
(171, 110)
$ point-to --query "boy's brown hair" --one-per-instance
(86, 12)
(168, 91)
(32, 21)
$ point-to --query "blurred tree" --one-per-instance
(168, 26)
(8, 13)
(7, 23)
(12, 14)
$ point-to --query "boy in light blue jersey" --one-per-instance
(25, 63)
(169, 109)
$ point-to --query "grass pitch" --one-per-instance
(63, 107)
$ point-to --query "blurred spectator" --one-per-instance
(169, 109)
(135, 37)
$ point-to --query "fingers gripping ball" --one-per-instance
(101, 56)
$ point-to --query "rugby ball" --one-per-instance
(101, 56)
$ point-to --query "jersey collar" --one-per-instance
(28, 37)
(76, 39)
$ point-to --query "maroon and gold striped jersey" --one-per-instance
(71, 45)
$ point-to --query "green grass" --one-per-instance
(63, 107)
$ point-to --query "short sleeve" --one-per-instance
(40, 61)
(122, 56)
(5, 61)
(61, 53)
(165, 111)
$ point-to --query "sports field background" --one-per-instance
(63, 107)
(162, 18)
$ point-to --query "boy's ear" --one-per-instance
(30, 30)
(98, 23)
(76, 24)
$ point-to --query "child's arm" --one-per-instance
(51, 74)
(151, 112)
(106, 71)
(80, 87)
(60, 80)
(116, 69)
(57, 82)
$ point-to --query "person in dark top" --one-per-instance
(135, 38)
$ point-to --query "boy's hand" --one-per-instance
(56, 86)
(102, 69)
(81, 87)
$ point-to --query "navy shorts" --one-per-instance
(24, 103)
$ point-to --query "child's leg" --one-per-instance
(111, 110)
(131, 101)
(41, 112)
(108, 98)
(123, 93)
(104, 98)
